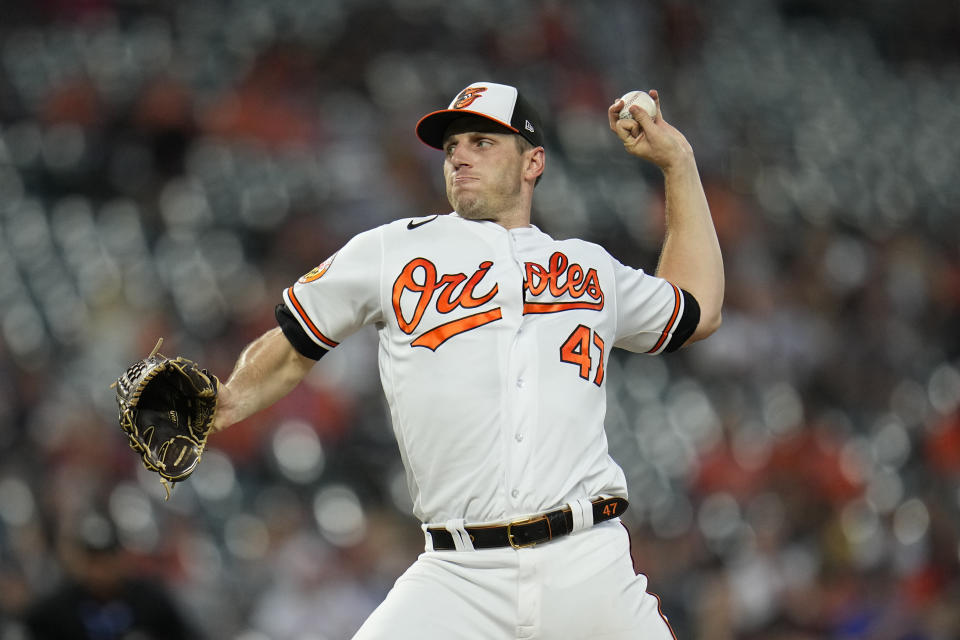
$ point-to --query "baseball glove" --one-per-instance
(166, 409)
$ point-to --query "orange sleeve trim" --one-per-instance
(673, 318)
(307, 321)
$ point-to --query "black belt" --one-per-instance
(528, 532)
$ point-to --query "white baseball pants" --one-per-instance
(579, 587)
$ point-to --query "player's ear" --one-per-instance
(534, 163)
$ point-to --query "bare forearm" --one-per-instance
(691, 256)
(267, 370)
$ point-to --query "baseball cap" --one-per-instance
(500, 103)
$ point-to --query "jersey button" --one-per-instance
(518, 437)
(520, 383)
(515, 493)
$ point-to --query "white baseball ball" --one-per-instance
(640, 98)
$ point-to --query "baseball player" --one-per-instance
(494, 340)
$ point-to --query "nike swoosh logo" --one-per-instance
(414, 225)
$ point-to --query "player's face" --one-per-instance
(482, 169)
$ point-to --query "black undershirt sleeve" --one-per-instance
(687, 323)
(296, 335)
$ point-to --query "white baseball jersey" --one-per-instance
(493, 348)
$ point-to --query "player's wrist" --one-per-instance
(222, 418)
(679, 163)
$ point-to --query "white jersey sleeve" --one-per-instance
(653, 315)
(342, 294)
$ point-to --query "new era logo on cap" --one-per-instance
(500, 103)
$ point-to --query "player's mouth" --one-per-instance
(462, 180)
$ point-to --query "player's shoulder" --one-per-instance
(419, 226)
(578, 246)
(398, 227)
(585, 252)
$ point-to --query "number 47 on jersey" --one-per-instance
(577, 348)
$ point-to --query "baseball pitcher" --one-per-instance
(494, 340)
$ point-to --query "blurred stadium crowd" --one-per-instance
(167, 168)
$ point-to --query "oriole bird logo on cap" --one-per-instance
(467, 97)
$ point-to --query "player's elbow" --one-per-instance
(710, 301)
(707, 326)
(712, 323)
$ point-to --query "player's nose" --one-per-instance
(459, 156)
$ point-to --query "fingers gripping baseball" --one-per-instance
(629, 116)
(648, 137)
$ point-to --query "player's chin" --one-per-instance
(466, 211)
(467, 206)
